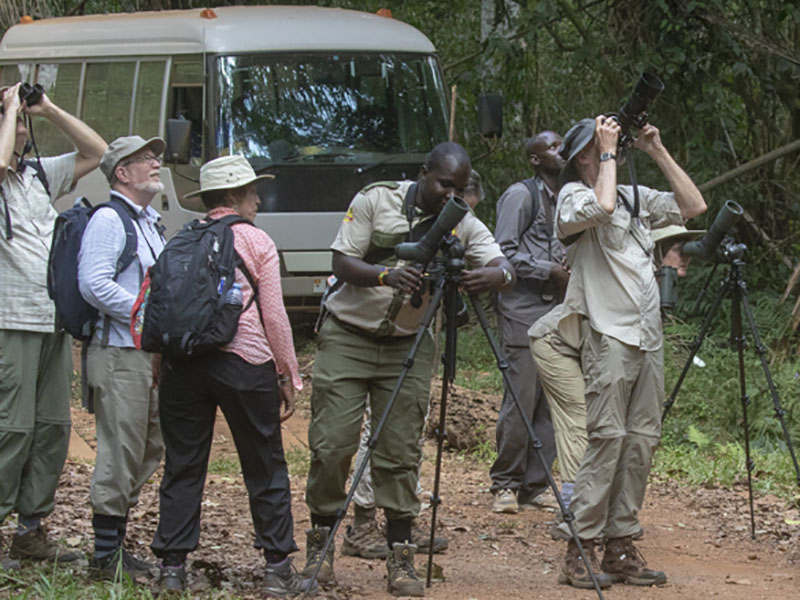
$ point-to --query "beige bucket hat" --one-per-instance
(223, 173)
(676, 231)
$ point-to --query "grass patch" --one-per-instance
(298, 459)
(476, 366)
(56, 582)
(225, 465)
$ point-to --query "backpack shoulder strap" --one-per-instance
(38, 171)
(233, 220)
(533, 190)
(126, 215)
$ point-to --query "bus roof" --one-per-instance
(235, 29)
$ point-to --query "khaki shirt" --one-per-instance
(613, 280)
(377, 219)
(24, 302)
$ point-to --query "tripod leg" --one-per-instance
(695, 346)
(502, 364)
(436, 298)
(780, 412)
(737, 338)
(448, 358)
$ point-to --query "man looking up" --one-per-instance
(129, 445)
(363, 344)
(524, 232)
(612, 313)
(36, 364)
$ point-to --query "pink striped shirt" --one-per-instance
(250, 342)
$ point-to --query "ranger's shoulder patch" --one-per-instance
(392, 185)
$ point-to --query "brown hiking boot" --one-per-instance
(625, 564)
(36, 545)
(575, 572)
(6, 563)
(421, 537)
(366, 540)
(403, 580)
(315, 542)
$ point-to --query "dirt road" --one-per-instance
(699, 537)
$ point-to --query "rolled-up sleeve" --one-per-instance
(663, 208)
(578, 210)
(354, 233)
(102, 245)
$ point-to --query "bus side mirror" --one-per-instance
(179, 134)
(490, 115)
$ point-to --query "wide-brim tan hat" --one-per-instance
(675, 232)
(223, 173)
(123, 147)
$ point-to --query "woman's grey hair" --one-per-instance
(474, 186)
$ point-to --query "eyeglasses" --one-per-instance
(147, 158)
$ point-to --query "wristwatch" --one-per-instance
(607, 156)
(507, 276)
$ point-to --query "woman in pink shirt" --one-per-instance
(253, 380)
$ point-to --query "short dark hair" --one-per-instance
(444, 151)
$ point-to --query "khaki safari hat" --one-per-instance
(123, 147)
(675, 232)
(223, 173)
(575, 140)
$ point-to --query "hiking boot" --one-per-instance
(36, 545)
(403, 580)
(7, 563)
(505, 501)
(575, 572)
(545, 500)
(625, 564)
(367, 541)
(421, 537)
(115, 565)
(171, 580)
(136, 565)
(315, 542)
(282, 581)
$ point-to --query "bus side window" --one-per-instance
(148, 98)
(187, 103)
(107, 98)
(61, 83)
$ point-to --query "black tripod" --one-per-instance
(446, 276)
(735, 287)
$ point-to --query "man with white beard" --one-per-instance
(123, 379)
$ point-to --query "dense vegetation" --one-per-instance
(731, 69)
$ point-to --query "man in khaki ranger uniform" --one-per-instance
(362, 346)
(612, 313)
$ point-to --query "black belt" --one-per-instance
(371, 337)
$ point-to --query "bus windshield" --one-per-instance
(328, 108)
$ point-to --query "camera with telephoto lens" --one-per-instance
(29, 94)
(633, 114)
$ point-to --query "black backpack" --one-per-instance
(74, 314)
(192, 306)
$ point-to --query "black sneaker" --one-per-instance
(171, 580)
(137, 565)
(282, 581)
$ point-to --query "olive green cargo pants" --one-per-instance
(348, 367)
(35, 374)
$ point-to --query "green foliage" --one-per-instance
(225, 465)
(476, 367)
(57, 582)
(298, 459)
